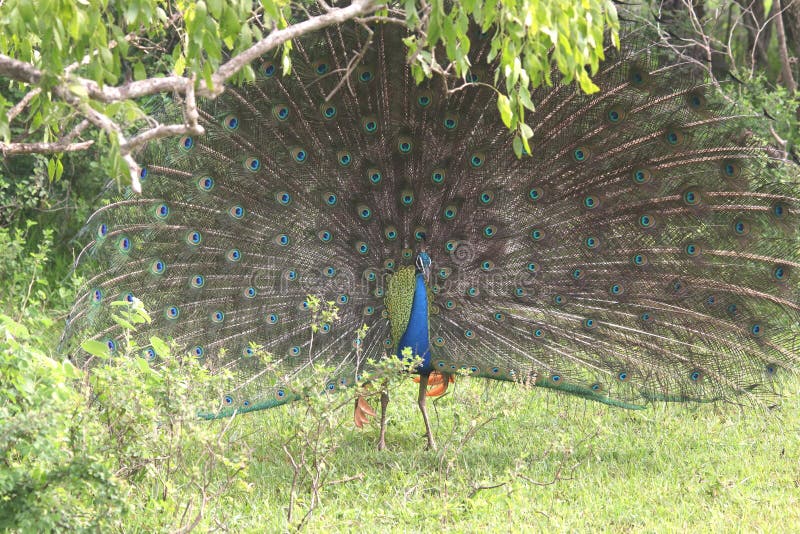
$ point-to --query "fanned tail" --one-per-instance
(645, 250)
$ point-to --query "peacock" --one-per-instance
(643, 250)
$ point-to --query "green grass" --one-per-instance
(560, 465)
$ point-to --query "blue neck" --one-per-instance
(416, 334)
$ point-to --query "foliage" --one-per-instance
(39, 210)
(739, 46)
(29, 292)
(527, 37)
(135, 454)
(25, 192)
(84, 46)
(121, 446)
(775, 110)
(177, 467)
(54, 475)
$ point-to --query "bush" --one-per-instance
(54, 474)
(118, 447)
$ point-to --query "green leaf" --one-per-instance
(123, 322)
(13, 327)
(139, 72)
(141, 364)
(78, 89)
(586, 83)
(229, 23)
(180, 66)
(59, 171)
(215, 8)
(200, 11)
(286, 62)
(70, 371)
(504, 106)
(517, 144)
(96, 348)
(271, 10)
(131, 12)
(161, 348)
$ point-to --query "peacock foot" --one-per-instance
(431, 445)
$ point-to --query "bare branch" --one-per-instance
(351, 66)
(359, 477)
(137, 89)
(476, 488)
(190, 108)
(13, 149)
(64, 144)
(377, 18)
(22, 104)
(159, 132)
(191, 127)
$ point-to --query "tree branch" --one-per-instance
(278, 37)
(191, 127)
(22, 104)
(19, 70)
(79, 92)
(64, 144)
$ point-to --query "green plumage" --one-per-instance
(645, 250)
(398, 300)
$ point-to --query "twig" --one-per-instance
(278, 37)
(293, 491)
(786, 67)
(359, 477)
(351, 66)
(476, 488)
(556, 477)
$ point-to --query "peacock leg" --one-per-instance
(384, 405)
(423, 390)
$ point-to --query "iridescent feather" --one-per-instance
(645, 250)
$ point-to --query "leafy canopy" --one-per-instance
(79, 46)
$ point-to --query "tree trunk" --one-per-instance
(783, 52)
(791, 22)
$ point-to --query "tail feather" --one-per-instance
(644, 250)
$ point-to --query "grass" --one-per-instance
(512, 459)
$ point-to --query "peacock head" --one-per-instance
(423, 261)
(423, 264)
